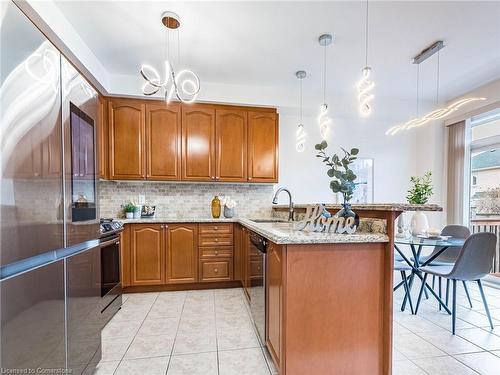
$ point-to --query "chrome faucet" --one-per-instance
(290, 205)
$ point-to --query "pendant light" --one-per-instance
(184, 84)
(439, 113)
(300, 134)
(365, 84)
(323, 119)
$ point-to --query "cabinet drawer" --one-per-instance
(212, 252)
(214, 228)
(256, 268)
(215, 240)
(216, 270)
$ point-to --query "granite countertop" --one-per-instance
(284, 233)
(277, 232)
(372, 206)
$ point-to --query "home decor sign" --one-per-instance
(318, 219)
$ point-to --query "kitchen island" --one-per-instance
(329, 296)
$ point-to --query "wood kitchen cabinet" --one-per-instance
(203, 142)
(231, 145)
(182, 253)
(102, 138)
(163, 141)
(274, 295)
(198, 143)
(127, 155)
(263, 141)
(147, 254)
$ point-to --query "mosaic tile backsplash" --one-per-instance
(185, 199)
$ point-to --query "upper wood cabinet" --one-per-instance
(231, 145)
(163, 135)
(262, 147)
(102, 138)
(177, 142)
(127, 158)
(147, 254)
(198, 143)
(182, 253)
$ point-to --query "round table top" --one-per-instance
(451, 242)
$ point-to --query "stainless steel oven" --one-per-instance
(257, 290)
(111, 290)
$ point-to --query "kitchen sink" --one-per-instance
(269, 221)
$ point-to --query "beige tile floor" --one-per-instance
(210, 332)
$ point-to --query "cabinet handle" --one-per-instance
(216, 228)
(216, 270)
(213, 177)
(216, 252)
(216, 240)
(250, 178)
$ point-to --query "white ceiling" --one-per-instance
(264, 43)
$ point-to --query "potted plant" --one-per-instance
(129, 209)
(420, 193)
(342, 176)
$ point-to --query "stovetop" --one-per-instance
(110, 226)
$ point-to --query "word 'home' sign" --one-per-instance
(315, 221)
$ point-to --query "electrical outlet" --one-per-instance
(142, 199)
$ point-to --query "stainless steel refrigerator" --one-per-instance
(49, 251)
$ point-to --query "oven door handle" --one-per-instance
(114, 241)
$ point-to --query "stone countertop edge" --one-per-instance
(371, 206)
(280, 233)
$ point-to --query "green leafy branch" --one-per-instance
(342, 176)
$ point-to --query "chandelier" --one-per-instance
(184, 84)
(439, 113)
(300, 134)
(365, 84)
(323, 119)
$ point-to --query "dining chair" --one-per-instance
(448, 257)
(403, 268)
(474, 261)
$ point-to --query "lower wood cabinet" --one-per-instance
(182, 253)
(161, 254)
(147, 254)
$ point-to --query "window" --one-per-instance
(484, 172)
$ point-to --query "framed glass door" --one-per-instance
(484, 173)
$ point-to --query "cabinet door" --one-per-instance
(231, 145)
(262, 147)
(147, 249)
(102, 138)
(198, 144)
(182, 253)
(163, 134)
(127, 139)
(274, 292)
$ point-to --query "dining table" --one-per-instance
(417, 244)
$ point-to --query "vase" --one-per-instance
(346, 212)
(129, 215)
(215, 206)
(419, 224)
(228, 212)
